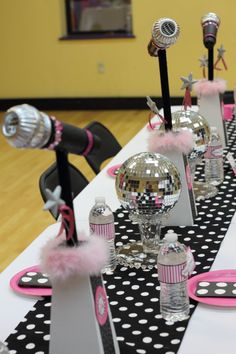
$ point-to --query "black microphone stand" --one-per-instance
(211, 64)
(165, 88)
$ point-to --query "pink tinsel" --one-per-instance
(207, 88)
(60, 261)
(181, 141)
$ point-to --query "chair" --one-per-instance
(49, 179)
(109, 146)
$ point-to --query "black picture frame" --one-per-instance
(72, 22)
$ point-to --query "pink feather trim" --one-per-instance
(207, 88)
(181, 141)
(61, 262)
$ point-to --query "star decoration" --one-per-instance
(203, 61)
(188, 82)
(53, 199)
(152, 105)
(221, 51)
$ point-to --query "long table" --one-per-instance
(211, 329)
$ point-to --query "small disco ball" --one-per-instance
(197, 125)
(148, 184)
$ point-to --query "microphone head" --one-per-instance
(165, 33)
(26, 127)
(210, 24)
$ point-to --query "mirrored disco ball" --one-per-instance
(148, 184)
(198, 125)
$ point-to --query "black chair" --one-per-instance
(108, 148)
(49, 179)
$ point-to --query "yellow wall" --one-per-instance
(35, 63)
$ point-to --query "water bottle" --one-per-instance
(101, 221)
(3, 349)
(172, 274)
(214, 168)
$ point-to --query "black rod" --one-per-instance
(210, 64)
(66, 194)
(165, 89)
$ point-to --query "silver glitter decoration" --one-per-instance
(148, 184)
(197, 125)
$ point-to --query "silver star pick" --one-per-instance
(188, 82)
(152, 105)
(221, 51)
(203, 61)
(53, 199)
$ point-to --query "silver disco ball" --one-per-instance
(197, 125)
(148, 184)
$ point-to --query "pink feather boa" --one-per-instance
(181, 141)
(61, 262)
(208, 88)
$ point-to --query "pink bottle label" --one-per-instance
(214, 152)
(105, 230)
(171, 273)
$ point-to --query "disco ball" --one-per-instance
(197, 125)
(148, 184)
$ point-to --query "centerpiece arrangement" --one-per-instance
(72, 260)
(148, 184)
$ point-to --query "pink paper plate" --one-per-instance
(112, 171)
(215, 275)
(228, 111)
(28, 291)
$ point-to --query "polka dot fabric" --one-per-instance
(32, 334)
(134, 293)
(215, 289)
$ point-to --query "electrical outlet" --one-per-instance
(101, 67)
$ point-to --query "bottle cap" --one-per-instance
(171, 237)
(100, 200)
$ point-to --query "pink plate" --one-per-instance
(112, 171)
(28, 291)
(224, 275)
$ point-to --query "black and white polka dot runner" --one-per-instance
(32, 334)
(134, 293)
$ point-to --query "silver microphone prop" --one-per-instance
(26, 127)
(165, 33)
(210, 24)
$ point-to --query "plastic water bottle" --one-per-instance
(3, 349)
(101, 221)
(214, 168)
(171, 265)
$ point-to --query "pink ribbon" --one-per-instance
(223, 61)
(153, 125)
(187, 101)
(204, 72)
(68, 222)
